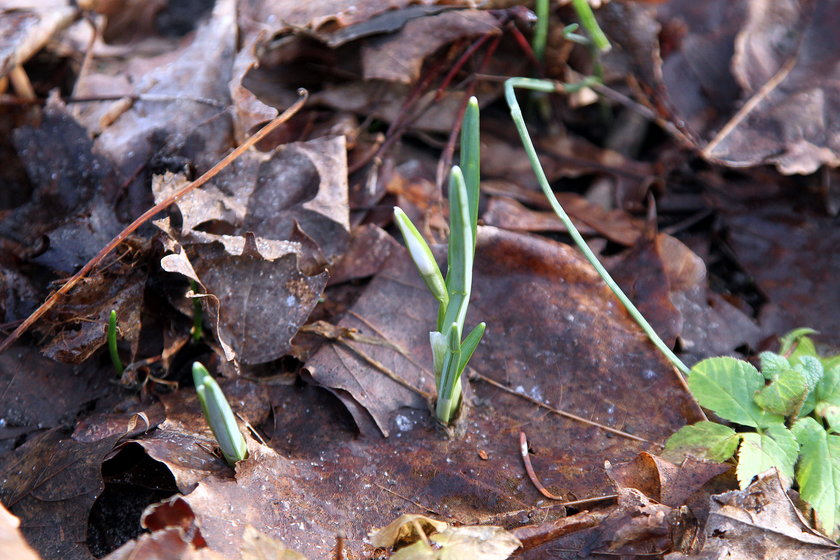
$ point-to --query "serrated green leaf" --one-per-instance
(827, 397)
(804, 347)
(812, 369)
(818, 473)
(776, 447)
(785, 395)
(726, 386)
(794, 337)
(773, 364)
(705, 440)
(830, 362)
(831, 413)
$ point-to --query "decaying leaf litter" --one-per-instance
(313, 313)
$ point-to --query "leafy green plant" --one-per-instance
(788, 413)
(785, 415)
(219, 416)
(112, 343)
(450, 353)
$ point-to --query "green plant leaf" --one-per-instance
(812, 369)
(471, 160)
(422, 256)
(831, 413)
(705, 440)
(827, 397)
(818, 473)
(785, 395)
(219, 415)
(773, 364)
(469, 345)
(797, 337)
(776, 447)
(460, 256)
(726, 386)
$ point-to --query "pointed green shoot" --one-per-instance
(219, 416)
(519, 122)
(449, 388)
(471, 160)
(469, 345)
(422, 256)
(197, 330)
(112, 343)
(459, 275)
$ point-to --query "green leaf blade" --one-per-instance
(219, 415)
(705, 440)
(772, 364)
(785, 395)
(471, 160)
(726, 386)
(818, 473)
(777, 447)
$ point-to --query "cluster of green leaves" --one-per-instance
(793, 407)
(450, 353)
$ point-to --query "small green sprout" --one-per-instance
(197, 330)
(219, 416)
(112, 343)
(450, 354)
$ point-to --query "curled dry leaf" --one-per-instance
(759, 522)
(748, 83)
(256, 302)
(180, 110)
(25, 27)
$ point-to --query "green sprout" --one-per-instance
(451, 354)
(112, 343)
(219, 416)
(197, 330)
(590, 24)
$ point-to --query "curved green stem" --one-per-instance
(112, 343)
(519, 121)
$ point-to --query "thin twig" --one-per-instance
(559, 412)
(759, 96)
(224, 162)
(418, 504)
(526, 459)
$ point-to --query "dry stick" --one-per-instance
(407, 499)
(759, 96)
(523, 450)
(559, 412)
(53, 299)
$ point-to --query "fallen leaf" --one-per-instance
(45, 394)
(399, 57)
(26, 27)
(759, 522)
(396, 311)
(789, 80)
(257, 546)
(51, 483)
(11, 540)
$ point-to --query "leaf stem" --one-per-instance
(519, 121)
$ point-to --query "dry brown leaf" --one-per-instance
(759, 523)
(12, 542)
(51, 483)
